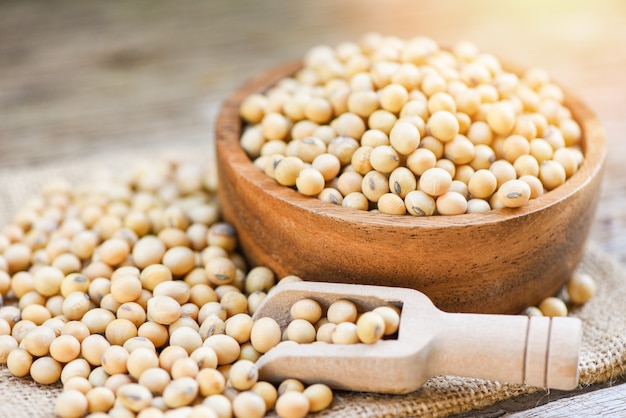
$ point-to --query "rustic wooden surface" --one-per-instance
(90, 77)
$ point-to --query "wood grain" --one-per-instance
(90, 78)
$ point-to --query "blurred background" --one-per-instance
(91, 78)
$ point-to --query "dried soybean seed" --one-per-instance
(78, 383)
(402, 181)
(268, 392)
(553, 306)
(180, 392)
(404, 137)
(552, 174)
(65, 348)
(504, 171)
(451, 203)
(234, 302)
(355, 200)
(120, 330)
(179, 259)
(443, 125)
(391, 318)
(374, 185)
(114, 360)
(265, 334)
(459, 150)
(100, 399)
(134, 396)
(370, 327)
(45, 370)
(419, 203)
(301, 331)
(435, 181)
(220, 270)
(226, 348)
(210, 382)
(92, 348)
(71, 403)
(345, 333)
(391, 204)
(320, 396)
(310, 182)
(7, 344)
(169, 355)
(243, 375)
(155, 332)
(155, 380)
(239, 326)
(248, 404)
(349, 182)
(292, 405)
(186, 337)
(38, 340)
(307, 309)
(205, 357)
(342, 310)
(38, 314)
(580, 288)
(514, 193)
(482, 184)
(327, 164)
(501, 117)
(19, 362)
(384, 159)
(184, 367)
(163, 309)
(289, 385)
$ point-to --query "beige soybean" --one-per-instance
(451, 203)
(435, 181)
(248, 404)
(580, 288)
(370, 327)
(345, 333)
(292, 404)
(514, 193)
(310, 182)
(307, 309)
(384, 159)
(71, 404)
(265, 334)
(134, 396)
(45, 370)
(482, 184)
(553, 306)
(300, 331)
(342, 310)
(374, 185)
(320, 396)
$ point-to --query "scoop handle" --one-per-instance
(537, 351)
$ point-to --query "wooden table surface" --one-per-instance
(91, 77)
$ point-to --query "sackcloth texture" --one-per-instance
(603, 352)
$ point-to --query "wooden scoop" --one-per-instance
(537, 351)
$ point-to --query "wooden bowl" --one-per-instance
(500, 261)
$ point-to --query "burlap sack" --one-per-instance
(603, 355)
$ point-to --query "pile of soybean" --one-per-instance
(404, 126)
(130, 291)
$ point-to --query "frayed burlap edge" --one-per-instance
(603, 352)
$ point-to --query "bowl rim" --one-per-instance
(229, 126)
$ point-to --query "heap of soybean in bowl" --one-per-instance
(405, 126)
